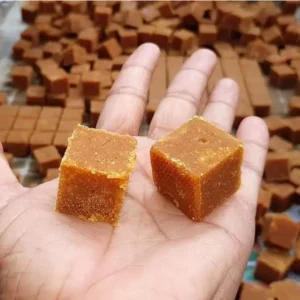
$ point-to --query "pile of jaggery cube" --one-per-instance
(72, 51)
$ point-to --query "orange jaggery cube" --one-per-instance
(94, 174)
(198, 166)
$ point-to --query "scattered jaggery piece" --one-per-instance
(109, 49)
(52, 49)
(145, 34)
(165, 9)
(273, 59)
(207, 34)
(9, 157)
(277, 126)
(74, 80)
(74, 55)
(278, 144)
(21, 76)
(293, 124)
(294, 106)
(88, 39)
(56, 81)
(263, 204)
(279, 230)
(20, 47)
(56, 99)
(133, 19)
(182, 40)
(296, 265)
(294, 156)
(31, 56)
(80, 69)
(191, 14)
(61, 141)
(251, 34)
(31, 34)
(35, 95)
(282, 195)
(41, 139)
(283, 76)
(162, 37)
(295, 176)
(128, 39)
(273, 265)
(251, 291)
(93, 180)
(51, 174)
(277, 166)
(47, 157)
(272, 35)
(190, 177)
(149, 13)
(91, 83)
(103, 64)
(285, 290)
(29, 12)
(17, 142)
(291, 34)
(102, 15)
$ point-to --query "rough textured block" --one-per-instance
(197, 166)
(93, 180)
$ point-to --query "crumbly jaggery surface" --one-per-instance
(197, 166)
(94, 174)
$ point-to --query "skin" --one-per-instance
(155, 252)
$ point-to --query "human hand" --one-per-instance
(155, 252)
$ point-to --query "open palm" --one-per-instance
(155, 252)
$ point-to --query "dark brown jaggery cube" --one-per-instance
(41, 139)
(145, 34)
(118, 62)
(191, 14)
(91, 58)
(91, 83)
(207, 34)
(291, 34)
(109, 49)
(52, 33)
(293, 124)
(296, 265)
(149, 13)
(46, 64)
(96, 109)
(50, 49)
(188, 177)
(182, 40)
(295, 176)
(29, 12)
(294, 158)
(288, 289)
(35, 95)
(73, 6)
(46, 125)
(88, 39)
(102, 15)
(165, 9)
(31, 34)
(29, 112)
(272, 35)
(128, 38)
(105, 81)
(20, 47)
(251, 34)
(251, 291)
(277, 167)
(21, 76)
(273, 59)
(290, 53)
(74, 80)
(276, 125)
(61, 141)
(67, 125)
(74, 55)
(56, 99)
(24, 124)
(17, 142)
(3, 98)
(56, 81)
(273, 265)
(289, 7)
(72, 114)
(47, 6)
(279, 230)
(46, 158)
(51, 174)
(133, 19)
(263, 204)
(278, 144)
(103, 64)
(30, 56)
(283, 76)
(162, 37)
(282, 195)
(112, 30)
(80, 69)
(51, 113)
